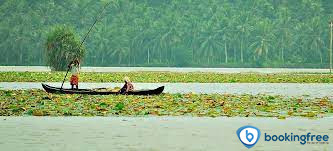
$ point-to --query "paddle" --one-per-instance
(64, 79)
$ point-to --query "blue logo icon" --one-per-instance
(248, 135)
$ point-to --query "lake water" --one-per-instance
(153, 133)
(286, 89)
(164, 133)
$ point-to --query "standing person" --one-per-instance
(75, 70)
(127, 87)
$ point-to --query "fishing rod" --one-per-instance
(85, 37)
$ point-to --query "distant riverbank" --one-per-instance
(168, 69)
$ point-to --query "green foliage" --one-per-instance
(171, 77)
(119, 106)
(214, 33)
(62, 47)
(40, 103)
(183, 57)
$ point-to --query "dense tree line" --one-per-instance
(212, 33)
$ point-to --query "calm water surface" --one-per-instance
(152, 133)
(286, 89)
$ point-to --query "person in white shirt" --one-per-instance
(128, 86)
(75, 70)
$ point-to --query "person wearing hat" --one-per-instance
(127, 87)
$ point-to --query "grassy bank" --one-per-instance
(39, 103)
(169, 77)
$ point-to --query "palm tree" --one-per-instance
(283, 23)
(264, 39)
(315, 32)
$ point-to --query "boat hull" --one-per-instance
(51, 89)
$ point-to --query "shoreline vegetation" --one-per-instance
(39, 103)
(234, 33)
(170, 77)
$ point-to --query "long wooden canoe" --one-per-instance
(51, 89)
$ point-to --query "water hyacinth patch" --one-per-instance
(167, 77)
(40, 103)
